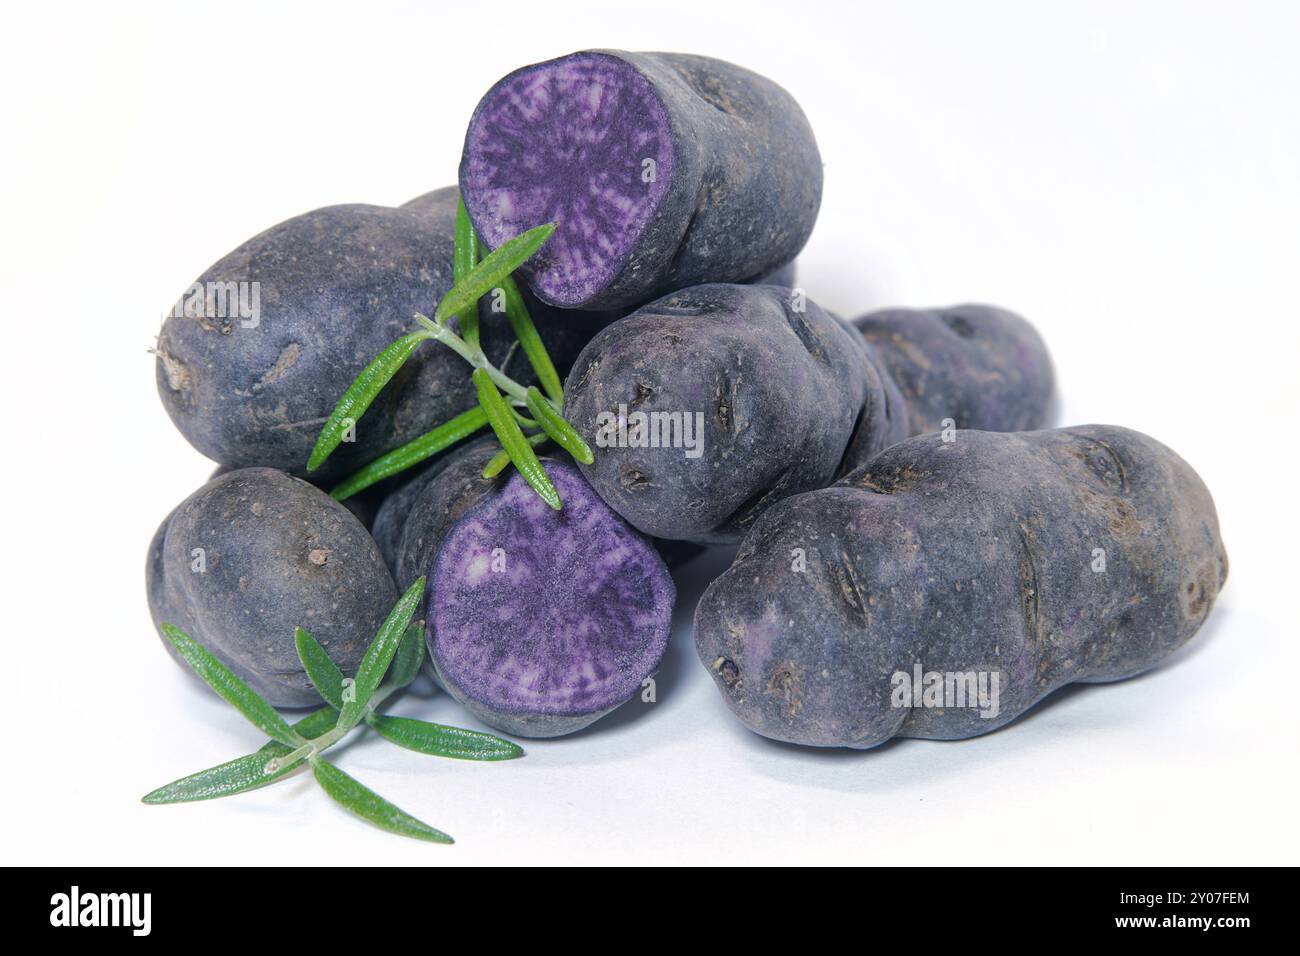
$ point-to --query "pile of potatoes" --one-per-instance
(907, 528)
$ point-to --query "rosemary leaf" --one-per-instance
(370, 806)
(489, 273)
(512, 439)
(553, 423)
(231, 689)
(360, 394)
(439, 740)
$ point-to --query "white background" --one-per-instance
(1126, 175)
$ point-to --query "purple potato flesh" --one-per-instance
(538, 621)
(662, 170)
(569, 628)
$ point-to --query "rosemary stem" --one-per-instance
(473, 356)
(311, 748)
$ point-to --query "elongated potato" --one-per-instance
(663, 170)
(946, 587)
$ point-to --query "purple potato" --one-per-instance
(1009, 564)
(363, 505)
(252, 555)
(663, 171)
(981, 366)
(775, 388)
(334, 287)
(538, 621)
(791, 398)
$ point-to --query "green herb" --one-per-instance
(324, 673)
(374, 664)
(504, 412)
(370, 806)
(553, 423)
(243, 773)
(521, 323)
(360, 394)
(442, 741)
(398, 641)
(512, 439)
(412, 453)
(496, 265)
(237, 776)
(498, 462)
(464, 258)
(523, 420)
(409, 656)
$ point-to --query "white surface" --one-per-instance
(1126, 175)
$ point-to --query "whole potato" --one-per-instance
(1007, 564)
(256, 553)
(324, 293)
(770, 388)
(788, 396)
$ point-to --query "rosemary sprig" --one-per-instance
(498, 462)
(560, 431)
(399, 643)
(370, 806)
(521, 323)
(374, 663)
(231, 689)
(472, 280)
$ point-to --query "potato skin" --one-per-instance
(781, 392)
(975, 555)
(745, 187)
(337, 285)
(749, 181)
(979, 365)
(792, 403)
(278, 554)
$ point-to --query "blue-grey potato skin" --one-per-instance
(748, 186)
(336, 286)
(981, 366)
(781, 386)
(256, 553)
(792, 397)
(1081, 554)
